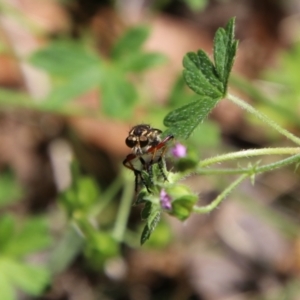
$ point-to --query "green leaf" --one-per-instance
(225, 47)
(141, 196)
(31, 279)
(74, 87)
(88, 192)
(7, 228)
(200, 75)
(182, 121)
(32, 236)
(139, 62)
(6, 288)
(80, 68)
(64, 58)
(182, 207)
(146, 212)
(10, 190)
(118, 95)
(152, 222)
(130, 42)
(99, 247)
(205, 79)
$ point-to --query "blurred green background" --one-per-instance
(75, 76)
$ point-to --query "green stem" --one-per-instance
(257, 170)
(124, 209)
(263, 118)
(233, 155)
(248, 153)
(107, 196)
(208, 208)
(247, 173)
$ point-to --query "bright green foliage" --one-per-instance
(118, 94)
(129, 55)
(130, 42)
(81, 196)
(19, 240)
(64, 58)
(77, 69)
(207, 79)
(16, 242)
(79, 202)
(99, 247)
(10, 190)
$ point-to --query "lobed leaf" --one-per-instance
(32, 236)
(182, 121)
(130, 42)
(225, 47)
(31, 279)
(139, 62)
(205, 79)
(200, 76)
(118, 95)
(75, 86)
(64, 58)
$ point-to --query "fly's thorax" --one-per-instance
(142, 137)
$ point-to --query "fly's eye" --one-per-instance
(143, 141)
(131, 141)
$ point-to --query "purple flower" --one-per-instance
(179, 150)
(165, 200)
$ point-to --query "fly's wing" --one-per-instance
(156, 152)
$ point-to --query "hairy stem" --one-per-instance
(263, 118)
(248, 172)
(208, 208)
(233, 155)
(248, 153)
(252, 169)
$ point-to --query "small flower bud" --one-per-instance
(179, 150)
(165, 200)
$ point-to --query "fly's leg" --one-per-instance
(149, 171)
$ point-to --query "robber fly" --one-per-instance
(148, 148)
